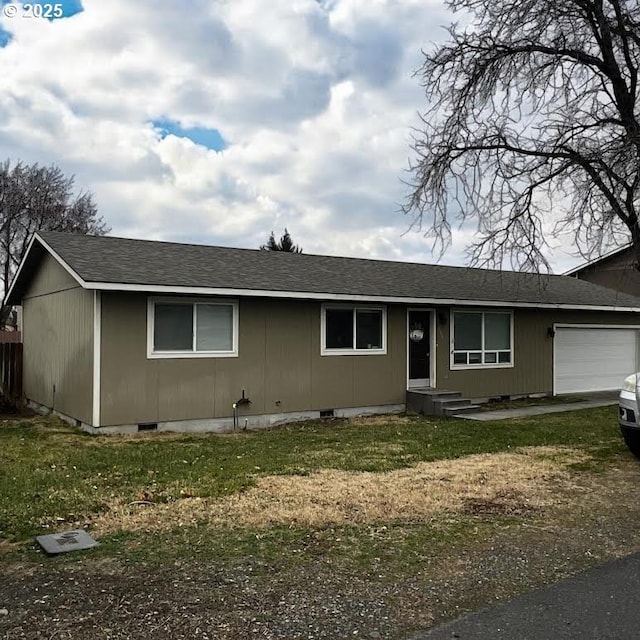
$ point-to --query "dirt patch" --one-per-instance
(507, 503)
(10, 410)
(5, 545)
(506, 483)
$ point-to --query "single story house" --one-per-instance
(616, 270)
(124, 335)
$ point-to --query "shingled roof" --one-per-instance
(107, 263)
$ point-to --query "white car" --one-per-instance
(629, 417)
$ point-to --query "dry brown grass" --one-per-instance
(504, 483)
(5, 546)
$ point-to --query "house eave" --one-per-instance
(8, 299)
(590, 263)
(343, 297)
(9, 293)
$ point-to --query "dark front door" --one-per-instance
(419, 348)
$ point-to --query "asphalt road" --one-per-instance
(602, 603)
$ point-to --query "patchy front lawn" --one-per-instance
(373, 528)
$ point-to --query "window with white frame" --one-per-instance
(482, 339)
(353, 329)
(183, 328)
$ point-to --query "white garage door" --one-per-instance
(593, 359)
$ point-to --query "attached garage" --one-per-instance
(593, 358)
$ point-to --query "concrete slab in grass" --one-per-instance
(76, 540)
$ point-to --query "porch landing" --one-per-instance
(438, 402)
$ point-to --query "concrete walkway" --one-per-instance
(600, 399)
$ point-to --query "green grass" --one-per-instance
(393, 574)
(365, 548)
(51, 474)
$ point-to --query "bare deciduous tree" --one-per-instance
(532, 129)
(35, 198)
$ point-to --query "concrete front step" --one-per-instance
(434, 393)
(453, 412)
(444, 403)
(437, 402)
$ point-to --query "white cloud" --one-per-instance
(316, 100)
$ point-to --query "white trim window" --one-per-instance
(353, 329)
(481, 339)
(192, 328)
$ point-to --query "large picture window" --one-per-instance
(351, 329)
(481, 339)
(180, 328)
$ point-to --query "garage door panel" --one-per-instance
(593, 359)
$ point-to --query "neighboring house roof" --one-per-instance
(596, 261)
(107, 263)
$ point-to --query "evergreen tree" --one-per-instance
(284, 244)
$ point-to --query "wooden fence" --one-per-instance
(10, 336)
(11, 370)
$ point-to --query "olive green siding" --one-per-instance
(532, 358)
(617, 272)
(279, 366)
(57, 319)
(50, 278)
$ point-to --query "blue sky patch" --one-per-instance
(5, 38)
(71, 7)
(209, 138)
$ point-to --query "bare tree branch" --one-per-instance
(532, 129)
(37, 198)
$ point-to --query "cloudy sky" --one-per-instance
(216, 121)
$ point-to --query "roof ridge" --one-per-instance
(114, 263)
(313, 255)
